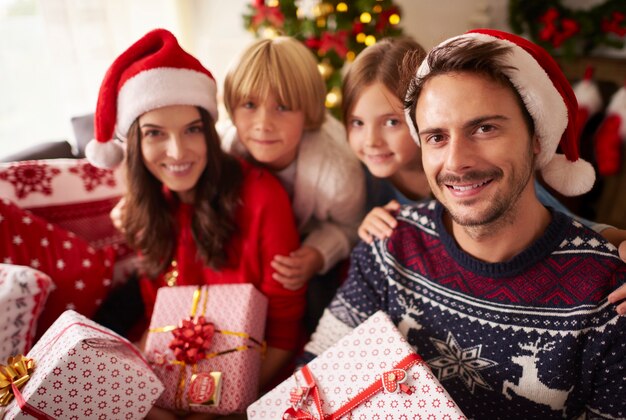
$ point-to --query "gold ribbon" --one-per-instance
(16, 373)
(201, 294)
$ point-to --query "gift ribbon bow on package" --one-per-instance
(192, 340)
(390, 381)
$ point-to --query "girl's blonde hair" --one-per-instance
(284, 67)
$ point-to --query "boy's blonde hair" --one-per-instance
(285, 67)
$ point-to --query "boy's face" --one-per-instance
(378, 133)
(269, 130)
(477, 152)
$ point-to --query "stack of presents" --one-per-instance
(204, 345)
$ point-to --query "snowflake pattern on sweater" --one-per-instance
(533, 337)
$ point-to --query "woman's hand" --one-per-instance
(295, 270)
(379, 222)
(116, 214)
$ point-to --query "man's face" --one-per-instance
(476, 148)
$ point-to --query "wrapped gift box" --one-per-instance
(212, 365)
(372, 372)
(83, 370)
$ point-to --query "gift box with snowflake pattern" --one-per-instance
(206, 345)
(370, 373)
(80, 370)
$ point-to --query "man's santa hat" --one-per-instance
(611, 135)
(153, 73)
(551, 103)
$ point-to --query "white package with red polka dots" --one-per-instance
(83, 370)
(215, 366)
(371, 373)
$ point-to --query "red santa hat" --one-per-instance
(588, 97)
(610, 135)
(153, 73)
(551, 103)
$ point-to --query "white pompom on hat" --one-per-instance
(551, 103)
(152, 73)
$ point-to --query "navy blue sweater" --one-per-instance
(533, 337)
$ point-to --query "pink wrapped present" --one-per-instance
(206, 343)
(79, 369)
(372, 372)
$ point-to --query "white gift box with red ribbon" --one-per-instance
(206, 345)
(373, 371)
(83, 370)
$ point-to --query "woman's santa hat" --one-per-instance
(611, 134)
(153, 73)
(551, 103)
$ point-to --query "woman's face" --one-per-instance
(173, 147)
(378, 134)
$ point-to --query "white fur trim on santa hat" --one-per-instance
(567, 177)
(104, 155)
(588, 96)
(617, 106)
(160, 87)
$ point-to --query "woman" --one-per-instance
(195, 214)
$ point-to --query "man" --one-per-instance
(505, 299)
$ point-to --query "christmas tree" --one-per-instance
(336, 31)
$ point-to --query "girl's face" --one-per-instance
(269, 130)
(173, 147)
(378, 134)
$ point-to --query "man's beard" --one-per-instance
(503, 206)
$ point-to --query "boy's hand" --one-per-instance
(379, 222)
(295, 270)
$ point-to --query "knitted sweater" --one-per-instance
(533, 337)
(266, 227)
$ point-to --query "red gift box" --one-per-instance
(84, 370)
(205, 343)
(372, 372)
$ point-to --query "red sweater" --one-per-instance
(266, 228)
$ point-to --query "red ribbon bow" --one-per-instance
(337, 41)
(273, 15)
(192, 340)
(390, 382)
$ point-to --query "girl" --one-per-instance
(275, 97)
(378, 135)
(196, 214)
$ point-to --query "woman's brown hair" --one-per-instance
(148, 221)
(381, 62)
